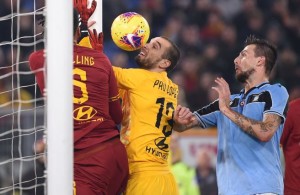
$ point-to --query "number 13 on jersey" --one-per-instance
(166, 108)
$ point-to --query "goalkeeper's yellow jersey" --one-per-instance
(149, 100)
(85, 42)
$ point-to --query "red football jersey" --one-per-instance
(36, 63)
(290, 141)
(96, 100)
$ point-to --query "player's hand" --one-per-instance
(224, 94)
(96, 40)
(84, 12)
(183, 116)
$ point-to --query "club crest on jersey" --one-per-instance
(242, 103)
(84, 113)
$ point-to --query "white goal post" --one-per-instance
(59, 55)
(59, 47)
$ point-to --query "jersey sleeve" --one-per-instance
(288, 125)
(278, 97)
(37, 63)
(115, 110)
(125, 78)
(207, 116)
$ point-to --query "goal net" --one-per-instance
(21, 103)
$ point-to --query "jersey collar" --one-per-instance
(256, 87)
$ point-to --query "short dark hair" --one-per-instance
(172, 54)
(75, 21)
(263, 48)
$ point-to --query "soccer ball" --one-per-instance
(130, 31)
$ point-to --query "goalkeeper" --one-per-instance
(149, 99)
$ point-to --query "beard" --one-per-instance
(144, 63)
(244, 76)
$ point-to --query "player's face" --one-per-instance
(151, 54)
(245, 64)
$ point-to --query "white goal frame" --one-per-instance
(59, 59)
(59, 85)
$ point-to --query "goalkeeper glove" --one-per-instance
(84, 15)
(96, 40)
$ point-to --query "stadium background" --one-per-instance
(210, 34)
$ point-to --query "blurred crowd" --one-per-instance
(210, 34)
(199, 179)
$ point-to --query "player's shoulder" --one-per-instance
(164, 76)
(36, 54)
(36, 59)
(86, 50)
(132, 71)
(295, 103)
(275, 87)
(90, 52)
(171, 82)
(276, 91)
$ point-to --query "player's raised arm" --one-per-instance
(263, 130)
(84, 15)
